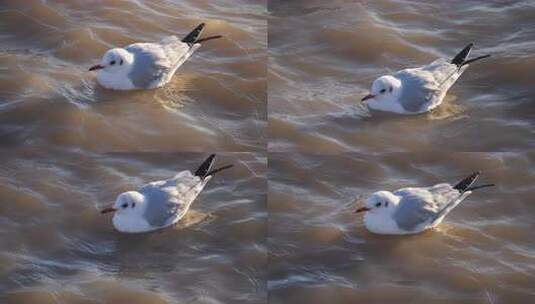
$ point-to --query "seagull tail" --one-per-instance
(205, 167)
(479, 187)
(209, 38)
(460, 59)
(212, 172)
(465, 184)
(193, 36)
(475, 59)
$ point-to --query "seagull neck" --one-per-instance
(381, 223)
(129, 61)
(130, 223)
(397, 88)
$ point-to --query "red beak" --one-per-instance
(368, 97)
(96, 67)
(363, 209)
(111, 209)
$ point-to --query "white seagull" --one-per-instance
(163, 203)
(413, 210)
(418, 90)
(147, 65)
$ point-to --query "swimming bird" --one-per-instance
(418, 90)
(147, 65)
(413, 210)
(162, 203)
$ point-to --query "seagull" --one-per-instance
(147, 65)
(162, 203)
(413, 210)
(418, 90)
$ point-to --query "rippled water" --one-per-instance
(57, 247)
(56, 123)
(217, 99)
(320, 251)
(287, 77)
(324, 55)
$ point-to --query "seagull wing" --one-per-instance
(427, 85)
(170, 199)
(177, 52)
(423, 205)
(150, 64)
(159, 204)
(156, 63)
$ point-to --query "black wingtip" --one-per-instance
(475, 59)
(212, 172)
(460, 58)
(204, 169)
(209, 38)
(464, 184)
(479, 187)
(192, 37)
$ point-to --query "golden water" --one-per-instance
(279, 227)
(324, 55)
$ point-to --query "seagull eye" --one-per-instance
(112, 62)
(383, 90)
(124, 205)
(378, 205)
(121, 63)
(390, 89)
(133, 205)
(386, 204)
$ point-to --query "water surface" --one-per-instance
(57, 247)
(320, 251)
(216, 101)
(324, 55)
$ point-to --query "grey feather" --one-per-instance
(147, 66)
(423, 205)
(156, 63)
(415, 93)
(426, 85)
(159, 206)
(170, 199)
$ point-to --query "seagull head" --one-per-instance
(385, 89)
(115, 61)
(127, 204)
(380, 202)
